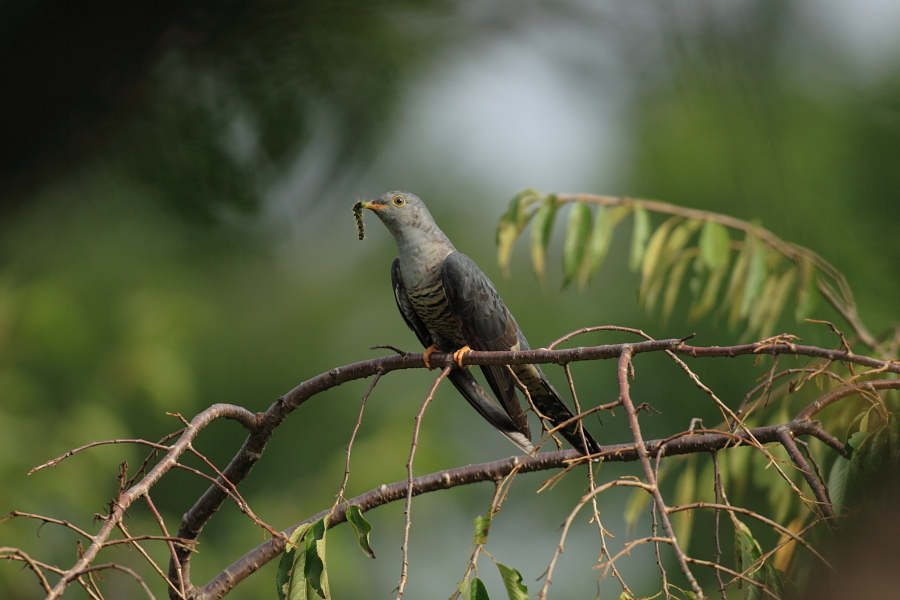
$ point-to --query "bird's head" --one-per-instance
(402, 213)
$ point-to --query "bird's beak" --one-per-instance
(372, 206)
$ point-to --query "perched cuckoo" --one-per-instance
(452, 306)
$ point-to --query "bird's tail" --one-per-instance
(466, 384)
(551, 405)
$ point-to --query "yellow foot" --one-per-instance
(458, 355)
(427, 355)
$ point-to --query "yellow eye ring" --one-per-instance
(398, 200)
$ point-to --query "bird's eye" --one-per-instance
(399, 200)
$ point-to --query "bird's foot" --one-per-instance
(458, 355)
(426, 356)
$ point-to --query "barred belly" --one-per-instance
(430, 303)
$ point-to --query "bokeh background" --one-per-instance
(176, 181)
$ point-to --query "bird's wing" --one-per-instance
(461, 379)
(486, 324)
(406, 308)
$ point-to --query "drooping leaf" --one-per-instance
(757, 273)
(734, 291)
(479, 591)
(314, 569)
(598, 244)
(710, 293)
(512, 223)
(482, 528)
(673, 285)
(715, 244)
(639, 238)
(655, 249)
(776, 302)
(361, 527)
(289, 579)
(512, 581)
(837, 482)
(541, 229)
(577, 230)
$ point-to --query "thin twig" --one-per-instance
(404, 547)
(622, 371)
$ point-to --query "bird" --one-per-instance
(452, 307)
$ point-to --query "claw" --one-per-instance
(426, 356)
(458, 355)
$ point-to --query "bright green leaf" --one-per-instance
(479, 591)
(465, 590)
(512, 223)
(482, 528)
(734, 292)
(710, 292)
(291, 587)
(361, 528)
(314, 570)
(777, 301)
(577, 231)
(639, 238)
(715, 244)
(757, 274)
(541, 229)
(597, 246)
(512, 581)
(837, 482)
(674, 284)
(655, 248)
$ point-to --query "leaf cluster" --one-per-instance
(733, 269)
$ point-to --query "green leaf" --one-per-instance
(314, 570)
(734, 292)
(674, 284)
(655, 247)
(777, 301)
(482, 528)
(465, 590)
(540, 235)
(292, 562)
(837, 482)
(577, 231)
(757, 273)
(598, 245)
(639, 238)
(715, 244)
(512, 223)
(856, 440)
(479, 592)
(710, 292)
(361, 528)
(747, 551)
(512, 581)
